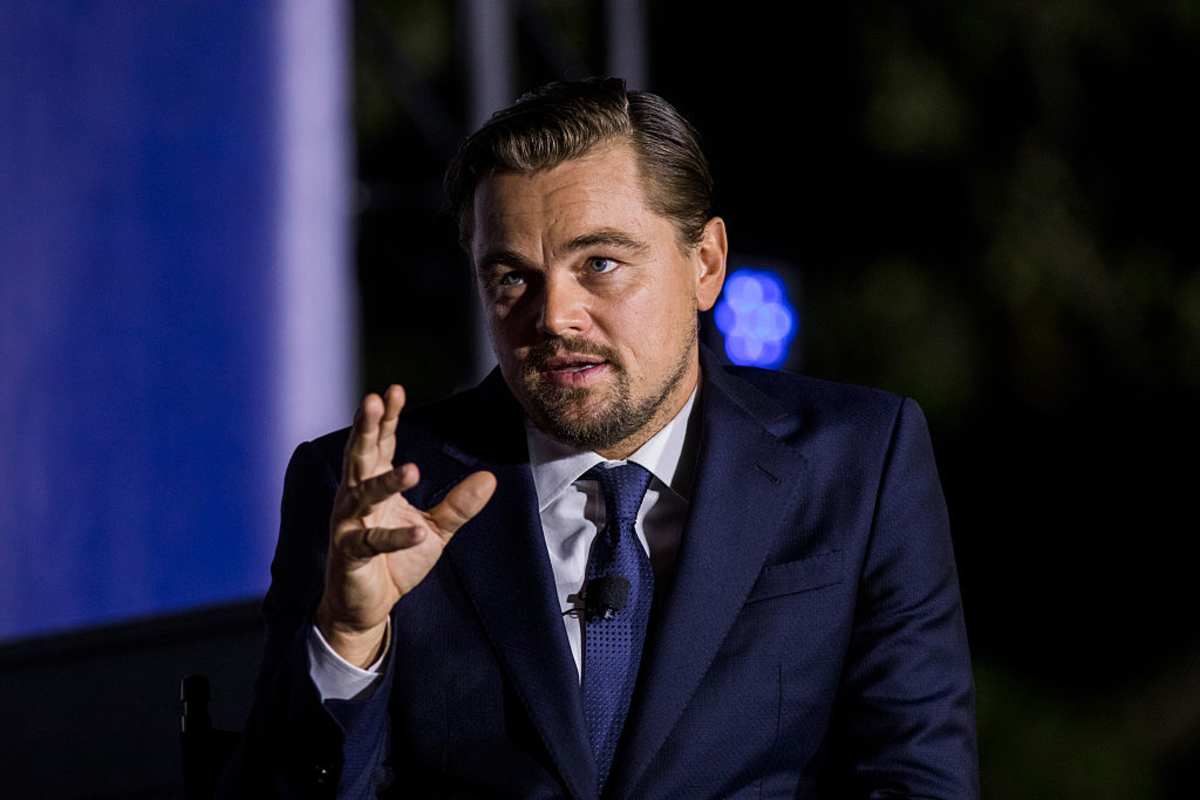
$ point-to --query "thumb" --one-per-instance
(463, 502)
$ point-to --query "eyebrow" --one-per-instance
(494, 258)
(607, 237)
(601, 237)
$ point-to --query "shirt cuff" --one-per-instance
(335, 677)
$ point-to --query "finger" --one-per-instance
(365, 544)
(464, 501)
(375, 490)
(362, 449)
(393, 403)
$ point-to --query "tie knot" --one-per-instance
(624, 486)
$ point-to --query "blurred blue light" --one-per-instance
(756, 319)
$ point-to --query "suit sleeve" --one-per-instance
(907, 705)
(293, 745)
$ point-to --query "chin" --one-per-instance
(589, 421)
(571, 413)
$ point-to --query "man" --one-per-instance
(616, 567)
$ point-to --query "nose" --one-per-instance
(564, 310)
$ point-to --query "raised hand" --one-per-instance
(380, 545)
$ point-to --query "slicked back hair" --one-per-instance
(566, 119)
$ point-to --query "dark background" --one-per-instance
(986, 206)
(991, 208)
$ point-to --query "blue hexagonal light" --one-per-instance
(755, 318)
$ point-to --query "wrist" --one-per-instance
(358, 646)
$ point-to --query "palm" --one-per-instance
(399, 571)
(381, 546)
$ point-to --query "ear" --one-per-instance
(708, 258)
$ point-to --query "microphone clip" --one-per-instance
(599, 598)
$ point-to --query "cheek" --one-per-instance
(507, 322)
(498, 310)
(650, 328)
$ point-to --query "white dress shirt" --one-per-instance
(572, 511)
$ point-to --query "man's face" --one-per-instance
(591, 299)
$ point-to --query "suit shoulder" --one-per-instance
(423, 424)
(325, 449)
(820, 400)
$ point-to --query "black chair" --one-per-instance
(205, 749)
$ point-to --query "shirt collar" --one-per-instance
(556, 466)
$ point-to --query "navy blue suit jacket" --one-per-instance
(812, 643)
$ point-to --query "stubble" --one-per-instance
(562, 411)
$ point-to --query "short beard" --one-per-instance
(550, 406)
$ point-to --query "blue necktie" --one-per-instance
(612, 648)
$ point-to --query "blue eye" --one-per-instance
(601, 265)
(509, 279)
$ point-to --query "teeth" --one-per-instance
(576, 367)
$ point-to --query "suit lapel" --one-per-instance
(747, 481)
(501, 561)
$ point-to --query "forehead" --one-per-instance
(601, 189)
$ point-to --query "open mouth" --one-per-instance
(573, 370)
(576, 367)
(571, 363)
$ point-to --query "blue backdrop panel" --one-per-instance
(137, 174)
